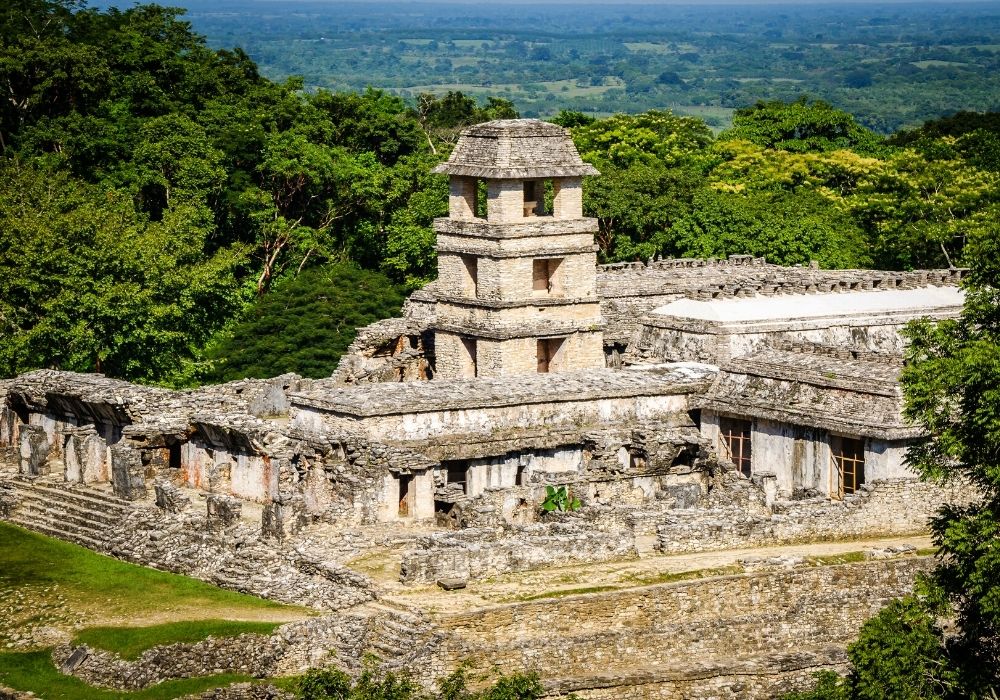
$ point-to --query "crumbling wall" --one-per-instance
(882, 508)
(294, 647)
(717, 624)
(391, 350)
(479, 553)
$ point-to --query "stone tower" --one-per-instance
(517, 278)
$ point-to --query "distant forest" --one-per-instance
(168, 214)
(891, 65)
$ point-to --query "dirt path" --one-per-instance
(583, 578)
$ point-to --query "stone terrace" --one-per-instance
(629, 291)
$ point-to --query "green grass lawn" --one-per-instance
(109, 590)
(48, 583)
(130, 642)
(34, 671)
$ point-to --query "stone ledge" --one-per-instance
(547, 226)
(496, 254)
(547, 301)
(590, 385)
(526, 329)
(769, 665)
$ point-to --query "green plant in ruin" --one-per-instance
(559, 499)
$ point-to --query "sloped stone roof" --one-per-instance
(848, 396)
(515, 149)
(442, 395)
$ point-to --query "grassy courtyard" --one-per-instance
(52, 592)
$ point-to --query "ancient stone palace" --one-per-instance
(663, 408)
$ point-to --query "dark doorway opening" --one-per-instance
(735, 438)
(405, 495)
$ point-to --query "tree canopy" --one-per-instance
(169, 188)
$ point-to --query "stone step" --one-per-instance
(53, 530)
(92, 493)
(74, 511)
(393, 630)
(82, 496)
(99, 492)
(55, 522)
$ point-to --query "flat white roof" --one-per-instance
(800, 306)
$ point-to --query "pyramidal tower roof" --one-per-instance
(515, 149)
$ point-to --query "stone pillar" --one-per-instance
(127, 473)
(34, 450)
(283, 517)
(222, 511)
(768, 483)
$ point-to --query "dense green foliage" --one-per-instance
(372, 684)
(304, 324)
(952, 390)
(168, 215)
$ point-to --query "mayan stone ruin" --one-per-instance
(702, 413)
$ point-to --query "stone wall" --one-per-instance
(771, 676)
(292, 648)
(473, 554)
(723, 624)
(883, 508)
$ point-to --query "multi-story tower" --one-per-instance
(517, 279)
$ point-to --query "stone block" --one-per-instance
(283, 517)
(452, 584)
(35, 448)
(223, 511)
(127, 473)
(169, 497)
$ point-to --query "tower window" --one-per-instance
(470, 276)
(545, 277)
(469, 368)
(531, 198)
(550, 354)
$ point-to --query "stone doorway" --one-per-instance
(406, 496)
(735, 438)
(848, 455)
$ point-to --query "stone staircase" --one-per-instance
(395, 637)
(76, 513)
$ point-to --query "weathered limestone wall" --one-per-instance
(723, 620)
(504, 268)
(211, 467)
(500, 320)
(883, 508)
(676, 340)
(505, 203)
(801, 459)
(427, 424)
(293, 648)
(419, 504)
(567, 200)
(475, 554)
(462, 198)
